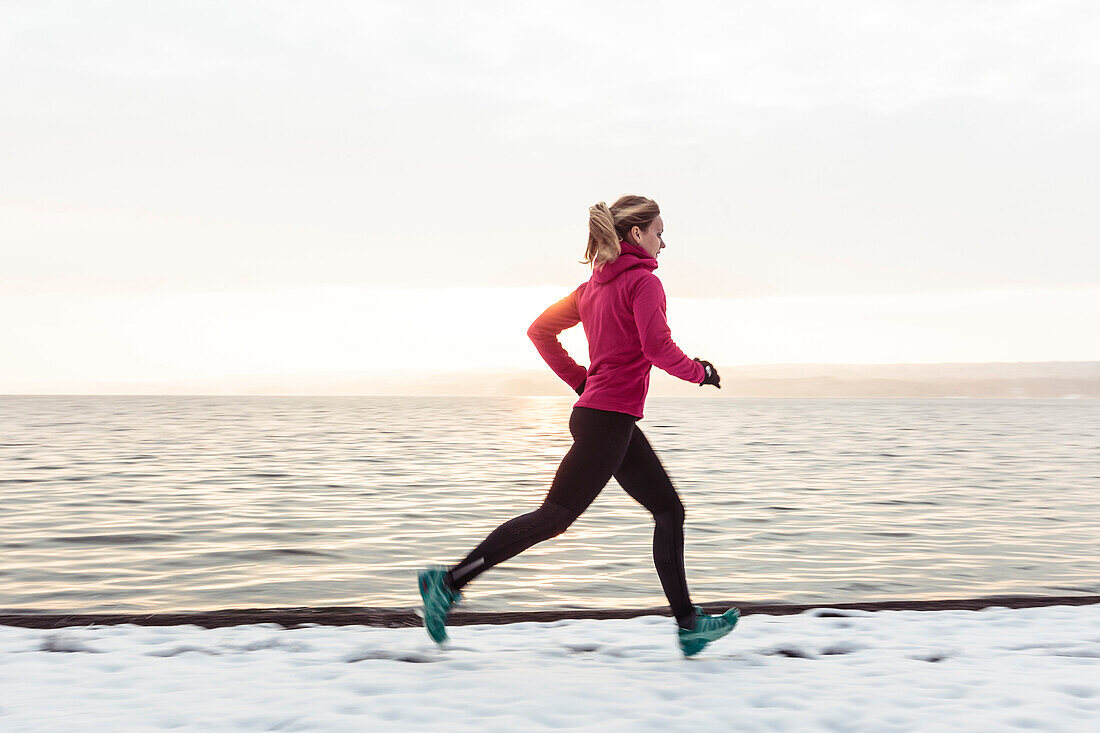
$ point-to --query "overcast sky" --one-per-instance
(193, 189)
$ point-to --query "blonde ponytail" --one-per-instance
(603, 241)
(608, 225)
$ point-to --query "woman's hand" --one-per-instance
(580, 387)
(710, 374)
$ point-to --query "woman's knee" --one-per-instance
(557, 518)
(672, 514)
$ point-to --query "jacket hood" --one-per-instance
(630, 256)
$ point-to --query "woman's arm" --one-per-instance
(544, 334)
(657, 343)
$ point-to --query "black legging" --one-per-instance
(605, 444)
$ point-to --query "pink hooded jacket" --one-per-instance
(622, 309)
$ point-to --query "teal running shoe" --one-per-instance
(438, 599)
(707, 629)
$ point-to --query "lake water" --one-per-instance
(199, 503)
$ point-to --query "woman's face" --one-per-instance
(650, 239)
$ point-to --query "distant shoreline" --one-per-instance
(396, 617)
(215, 395)
(994, 380)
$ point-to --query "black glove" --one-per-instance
(580, 387)
(711, 374)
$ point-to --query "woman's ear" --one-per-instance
(636, 234)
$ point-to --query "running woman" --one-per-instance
(622, 310)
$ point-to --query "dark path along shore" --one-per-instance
(351, 615)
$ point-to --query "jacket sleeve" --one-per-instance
(544, 334)
(657, 344)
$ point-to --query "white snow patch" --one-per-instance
(998, 669)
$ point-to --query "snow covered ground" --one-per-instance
(998, 669)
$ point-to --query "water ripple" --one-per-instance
(174, 503)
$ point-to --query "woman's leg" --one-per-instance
(600, 440)
(643, 477)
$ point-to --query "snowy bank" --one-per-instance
(837, 670)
